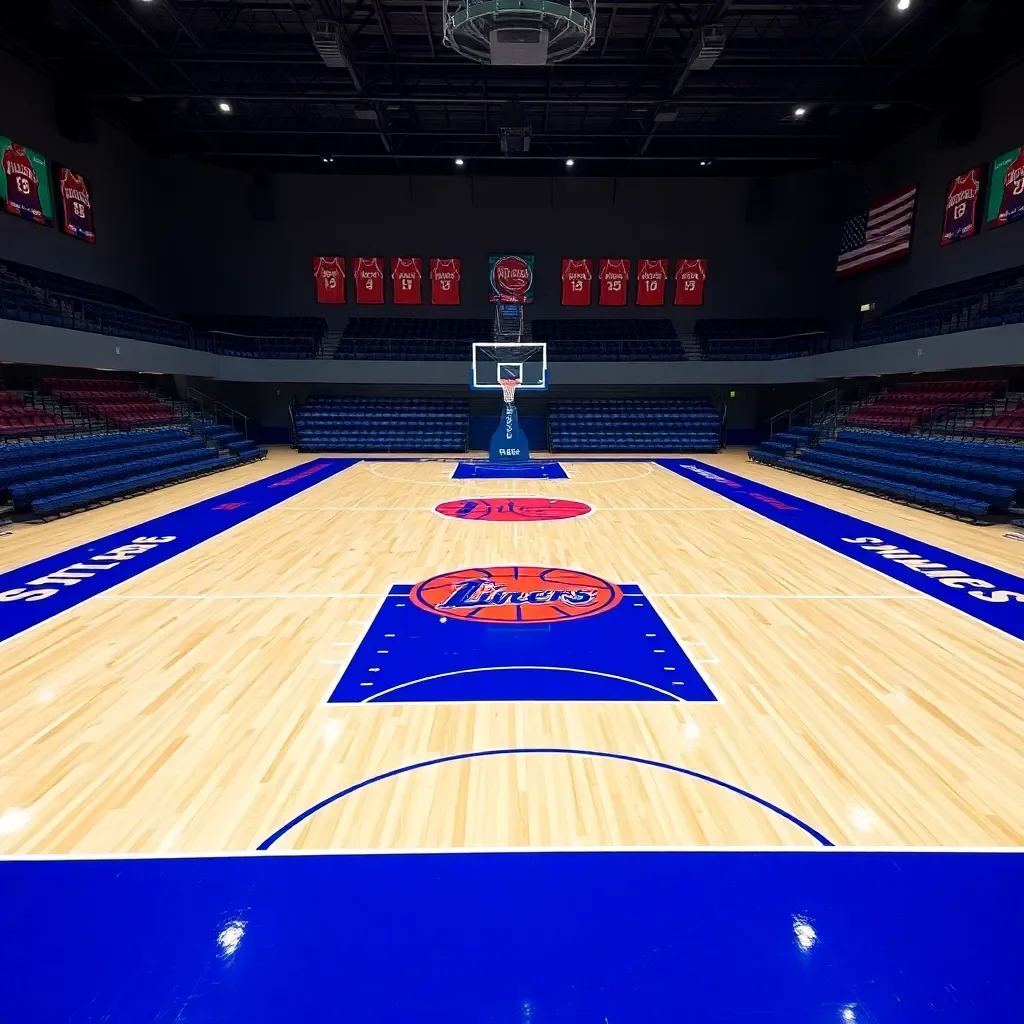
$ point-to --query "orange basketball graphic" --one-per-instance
(516, 594)
(513, 509)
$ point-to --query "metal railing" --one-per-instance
(784, 346)
(263, 346)
(807, 414)
(207, 411)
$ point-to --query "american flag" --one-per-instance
(880, 234)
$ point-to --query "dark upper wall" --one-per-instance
(230, 262)
(919, 160)
(128, 188)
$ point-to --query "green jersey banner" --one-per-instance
(511, 279)
(1006, 189)
(25, 182)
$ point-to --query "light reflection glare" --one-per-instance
(231, 936)
(863, 820)
(848, 1015)
(806, 936)
(12, 820)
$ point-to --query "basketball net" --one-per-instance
(508, 389)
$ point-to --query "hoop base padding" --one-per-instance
(509, 443)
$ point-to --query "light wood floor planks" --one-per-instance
(183, 710)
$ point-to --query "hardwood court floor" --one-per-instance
(184, 709)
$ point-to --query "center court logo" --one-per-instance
(513, 510)
(514, 593)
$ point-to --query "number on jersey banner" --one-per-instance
(406, 275)
(690, 277)
(368, 272)
(329, 272)
(444, 281)
(75, 206)
(651, 276)
(614, 278)
(25, 182)
(576, 278)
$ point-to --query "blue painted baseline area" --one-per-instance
(509, 471)
(821, 937)
(513, 751)
(985, 593)
(628, 653)
(36, 592)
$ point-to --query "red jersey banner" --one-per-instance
(369, 277)
(614, 278)
(329, 272)
(75, 206)
(651, 276)
(576, 278)
(690, 277)
(407, 273)
(444, 281)
(961, 217)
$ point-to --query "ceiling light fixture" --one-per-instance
(570, 162)
(902, 5)
(224, 107)
(459, 161)
(800, 112)
(705, 163)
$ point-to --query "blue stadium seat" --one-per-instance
(640, 425)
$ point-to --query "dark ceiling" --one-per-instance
(865, 71)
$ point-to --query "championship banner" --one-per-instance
(511, 279)
(1006, 189)
(25, 182)
(961, 217)
(74, 208)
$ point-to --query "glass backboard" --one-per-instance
(494, 362)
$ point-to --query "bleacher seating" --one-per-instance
(48, 477)
(635, 425)
(40, 297)
(121, 402)
(20, 420)
(986, 301)
(603, 339)
(1008, 423)
(262, 337)
(909, 405)
(342, 424)
(971, 478)
(760, 338)
(428, 338)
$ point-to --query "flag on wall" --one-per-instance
(878, 235)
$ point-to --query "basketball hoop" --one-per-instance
(508, 389)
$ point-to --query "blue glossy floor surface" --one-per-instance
(516, 938)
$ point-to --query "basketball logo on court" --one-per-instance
(514, 593)
(513, 510)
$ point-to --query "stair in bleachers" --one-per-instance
(635, 424)
(973, 479)
(227, 440)
(50, 477)
(344, 424)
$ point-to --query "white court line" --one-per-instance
(344, 596)
(802, 597)
(229, 597)
(364, 632)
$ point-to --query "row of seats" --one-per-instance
(973, 479)
(20, 420)
(373, 328)
(759, 338)
(907, 406)
(48, 477)
(1009, 423)
(650, 425)
(604, 329)
(338, 424)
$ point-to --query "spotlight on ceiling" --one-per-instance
(800, 112)
(224, 107)
(327, 159)
(705, 163)
(459, 161)
(902, 5)
(570, 162)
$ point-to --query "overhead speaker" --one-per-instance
(760, 201)
(961, 125)
(73, 114)
(261, 197)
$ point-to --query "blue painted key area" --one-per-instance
(509, 471)
(516, 938)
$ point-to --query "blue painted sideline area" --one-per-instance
(982, 591)
(36, 592)
(516, 938)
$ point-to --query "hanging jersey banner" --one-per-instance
(406, 275)
(75, 206)
(329, 273)
(445, 276)
(511, 279)
(369, 276)
(690, 278)
(614, 278)
(961, 216)
(651, 276)
(1006, 189)
(25, 182)
(576, 278)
